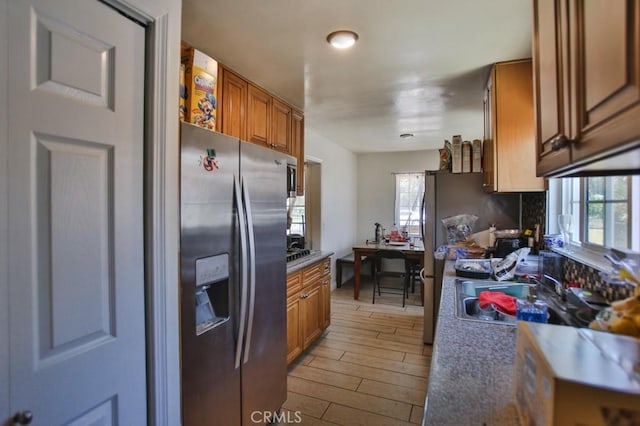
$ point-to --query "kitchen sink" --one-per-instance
(468, 307)
(475, 287)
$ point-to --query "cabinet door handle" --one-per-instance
(560, 142)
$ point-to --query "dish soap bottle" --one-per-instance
(531, 309)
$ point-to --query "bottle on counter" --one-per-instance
(492, 235)
(531, 309)
(393, 235)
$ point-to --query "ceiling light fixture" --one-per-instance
(342, 39)
(406, 135)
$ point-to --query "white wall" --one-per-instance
(338, 198)
(376, 185)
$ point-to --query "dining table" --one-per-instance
(368, 248)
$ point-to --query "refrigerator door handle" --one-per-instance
(422, 207)
(252, 269)
(244, 273)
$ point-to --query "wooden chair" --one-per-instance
(412, 267)
(348, 260)
(381, 272)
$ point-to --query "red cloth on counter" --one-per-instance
(503, 302)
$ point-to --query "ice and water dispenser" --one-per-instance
(212, 292)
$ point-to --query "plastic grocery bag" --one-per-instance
(459, 227)
(506, 268)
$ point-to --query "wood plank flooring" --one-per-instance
(369, 368)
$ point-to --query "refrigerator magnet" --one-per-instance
(209, 161)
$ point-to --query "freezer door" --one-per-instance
(264, 366)
(428, 330)
(209, 274)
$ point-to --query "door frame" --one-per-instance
(161, 19)
(4, 208)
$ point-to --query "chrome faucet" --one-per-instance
(558, 288)
(557, 285)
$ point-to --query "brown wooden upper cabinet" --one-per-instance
(587, 86)
(254, 115)
(509, 143)
(234, 105)
(297, 147)
(259, 116)
(281, 126)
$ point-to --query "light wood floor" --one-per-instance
(369, 368)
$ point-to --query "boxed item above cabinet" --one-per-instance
(476, 156)
(201, 80)
(466, 157)
(576, 376)
(456, 155)
(182, 97)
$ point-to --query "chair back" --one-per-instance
(387, 254)
(381, 271)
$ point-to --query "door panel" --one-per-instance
(550, 60)
(209, 227)
(281, 126)
(311, 311)
(294, 339)
(264, 373)
(607, 74)
(76, 281)
(75, 178)
(259, 106)
(234, 105)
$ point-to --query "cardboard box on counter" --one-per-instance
(574, 376)
(201, 81)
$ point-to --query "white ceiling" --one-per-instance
(419, 66)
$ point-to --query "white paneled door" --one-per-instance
(76, 279)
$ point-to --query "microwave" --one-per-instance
(291, 180)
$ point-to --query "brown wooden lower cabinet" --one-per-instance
(311, 313)
(325, 288)
(294, 335)
(308, 306)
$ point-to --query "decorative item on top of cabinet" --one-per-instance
(587, 87)
(297, 147)
(509, 144)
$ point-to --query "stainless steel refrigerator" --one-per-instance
(233, 279)
(449, 194)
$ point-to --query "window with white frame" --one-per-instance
(605, 210)
(408, 206)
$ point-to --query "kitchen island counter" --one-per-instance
(471, 378)
(315, 256)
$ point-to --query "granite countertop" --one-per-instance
(471, 376)
(297, 264)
